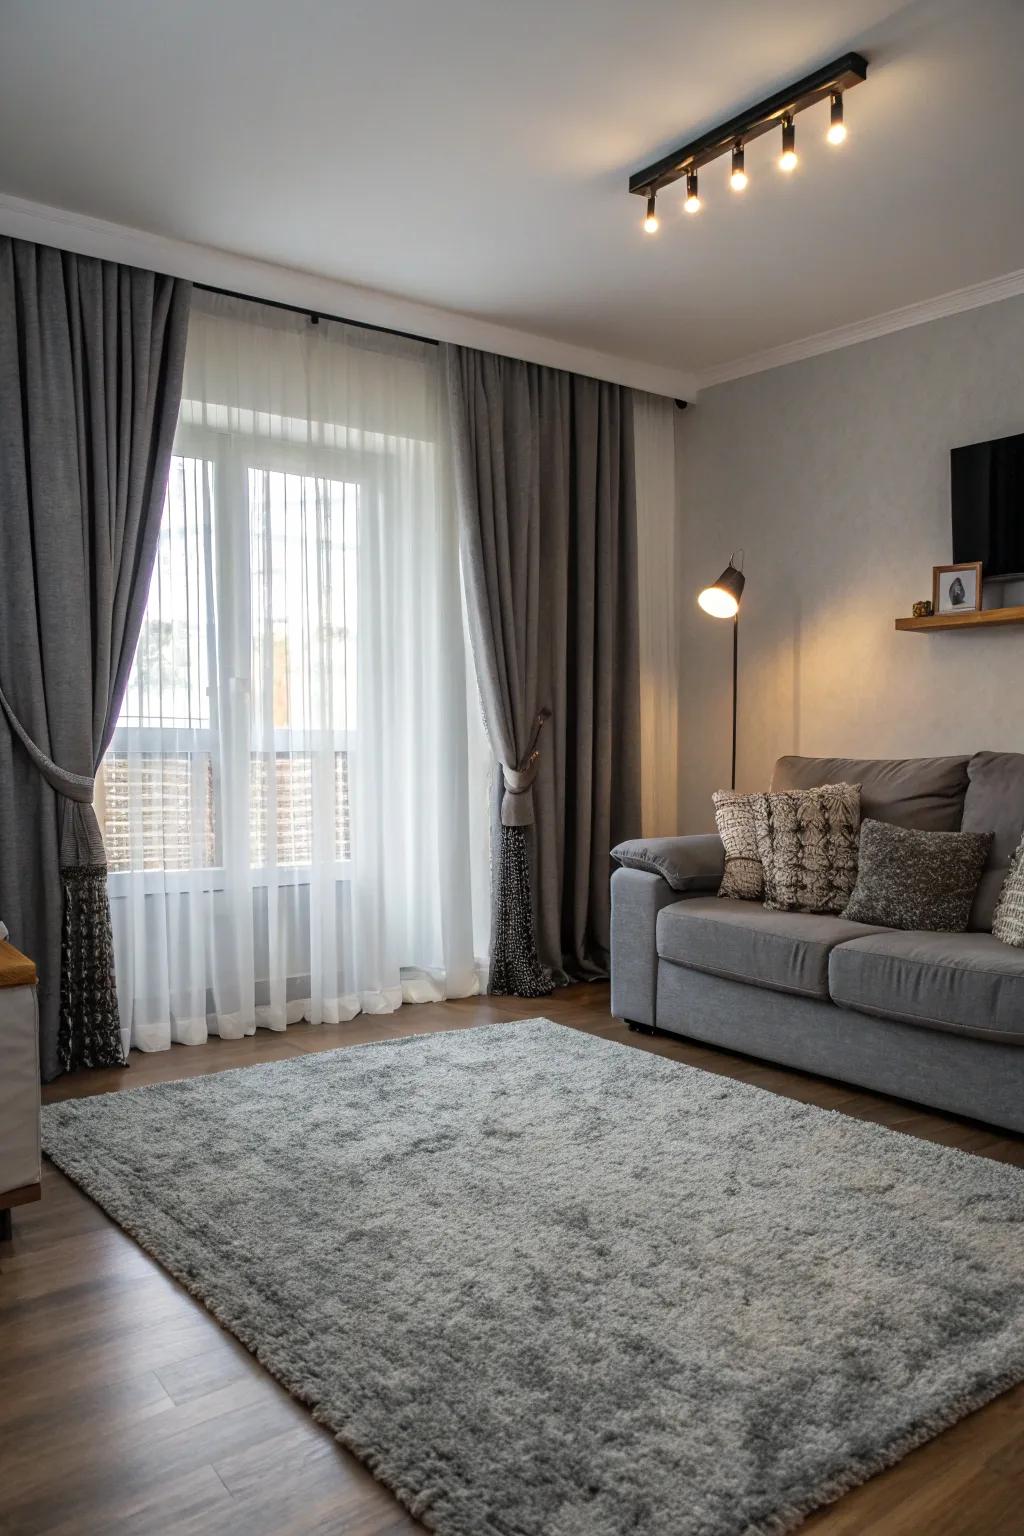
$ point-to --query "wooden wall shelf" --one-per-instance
(986, 618)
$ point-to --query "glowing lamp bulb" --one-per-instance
(788, 158)
(719, 603)
(836, 128)
(722, 598)
(692, 204)
(651, 221)
(738, 181)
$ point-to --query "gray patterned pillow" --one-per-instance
(807, 839)
(1008, 918)
(922, 880)
(734, 817)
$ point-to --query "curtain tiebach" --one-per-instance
(80, 838)
(517, 801)
(87, 950)
(73, 786)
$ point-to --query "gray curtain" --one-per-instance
(91, 358)
(547, 497)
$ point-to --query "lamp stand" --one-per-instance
(735, 678)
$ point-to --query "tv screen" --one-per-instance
(987, 485)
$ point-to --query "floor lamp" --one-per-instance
(722, 601)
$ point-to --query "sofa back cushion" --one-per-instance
(994, 803)
(925, 794)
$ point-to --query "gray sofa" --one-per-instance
(933, 1017)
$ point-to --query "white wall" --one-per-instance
(833, 474)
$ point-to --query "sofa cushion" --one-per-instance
(912, 880)
(994, 803)
(1008, 918)
(922, 792)
(787, 951)
(744, 872)
(967, 982)
(808, 841)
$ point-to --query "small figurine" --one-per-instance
(923, 610)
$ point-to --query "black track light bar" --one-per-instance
(838, 76)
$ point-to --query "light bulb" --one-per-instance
(692, 204)
(788, 158)
(837, 128)
(651, 221)
(738, 179)
(719, 603)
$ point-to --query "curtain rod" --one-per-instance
(315, 315)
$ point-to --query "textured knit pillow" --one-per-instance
(807, 839)
(734, 818)
(1008, 918)
(923, 880)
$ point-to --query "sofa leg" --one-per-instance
(6, 1231)
(642, 1029)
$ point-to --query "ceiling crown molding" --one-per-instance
(24, 220)
(1010, 286)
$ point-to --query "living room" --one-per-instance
(511, 772)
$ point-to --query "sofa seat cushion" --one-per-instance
(966, 982)
(786, 951)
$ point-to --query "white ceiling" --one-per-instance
(474, 154)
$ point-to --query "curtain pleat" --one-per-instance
(547, 499)
(659, 582)
(91, 356)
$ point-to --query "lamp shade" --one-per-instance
(722, 600)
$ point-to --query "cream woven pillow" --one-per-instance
(734, 817)
(1008, 918)
(807, 839)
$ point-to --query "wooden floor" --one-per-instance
(125, 1408)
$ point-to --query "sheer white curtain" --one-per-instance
(287, 796)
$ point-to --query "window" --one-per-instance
(163, 780)
(287, 789)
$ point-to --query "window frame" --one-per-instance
(236, 453)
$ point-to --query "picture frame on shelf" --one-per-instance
(957, 588)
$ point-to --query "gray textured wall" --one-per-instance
(833, 474)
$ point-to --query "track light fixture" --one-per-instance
(731, 138)
(836, 128)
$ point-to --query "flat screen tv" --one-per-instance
(987, 494)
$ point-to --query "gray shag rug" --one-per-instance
(547, 1285)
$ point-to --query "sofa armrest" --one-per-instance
(637, 898)
(687, 863)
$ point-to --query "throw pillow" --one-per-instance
(734, 817)
(923, 880)
(1008, 918)
(807, 839)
